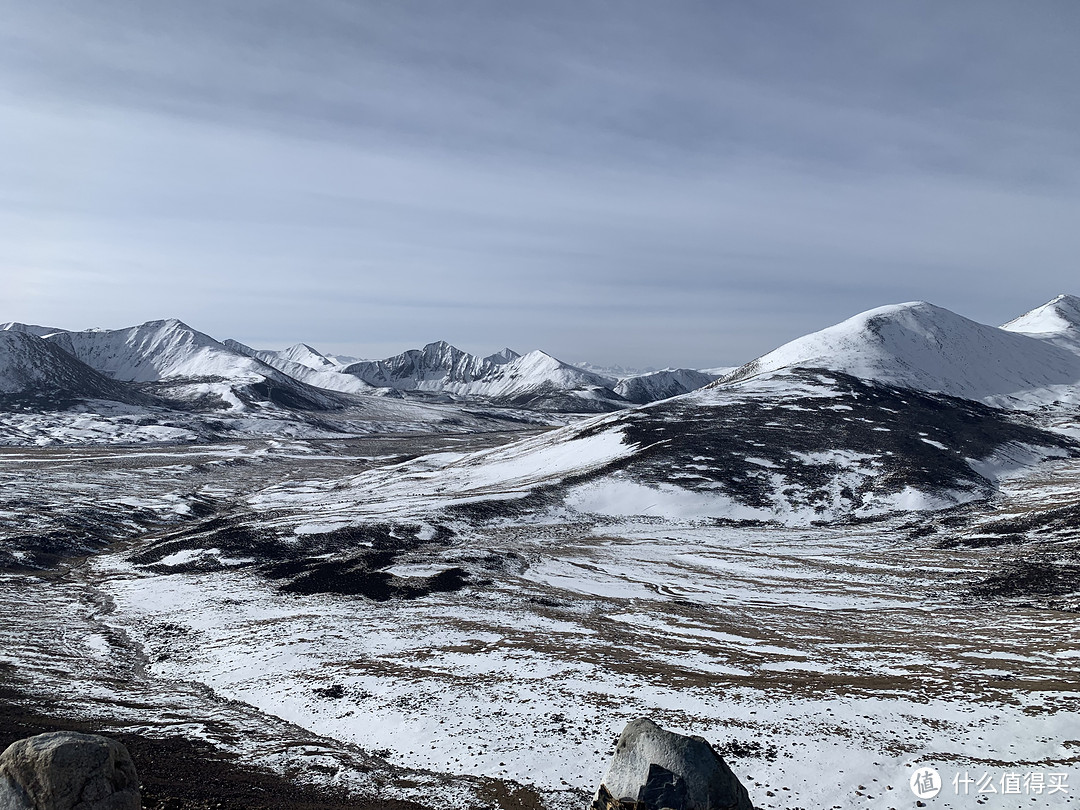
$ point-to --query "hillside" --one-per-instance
(927, 348)
(35, 373)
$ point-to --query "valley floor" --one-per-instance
(827, 663)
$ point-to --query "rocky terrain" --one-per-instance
(857, 555)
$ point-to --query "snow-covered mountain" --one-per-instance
(306, 355)
(535, 380)
(1057, 322)
(661, 385)
(925, 347)
(184, 364)
(32, 369)
(311, 357)
(154, 351)
(432, 368)
(328, 378)
(879, 414)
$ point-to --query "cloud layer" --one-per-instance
(680, 183)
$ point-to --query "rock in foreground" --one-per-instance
(654, 769)
(67, 771)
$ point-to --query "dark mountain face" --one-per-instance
(866, 439)
(35, 374)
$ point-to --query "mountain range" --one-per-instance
(907, 404)
(173, 364)
(903, 408)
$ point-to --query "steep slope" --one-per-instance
(659, 385)
(536, 380)
(154, 351)
(35, 373)
(183, 364)
(921, 346)
(1057, 322)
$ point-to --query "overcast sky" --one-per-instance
(662, 183)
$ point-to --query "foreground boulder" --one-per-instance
(67, 771)
(654, 769)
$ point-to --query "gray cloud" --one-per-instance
(686, 183)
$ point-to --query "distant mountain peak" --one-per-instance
(1059, 315)
(166, 323)
(614, 372)
(507, 355)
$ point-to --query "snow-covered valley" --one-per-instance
(826, 660)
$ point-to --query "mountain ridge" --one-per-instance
(535, 379)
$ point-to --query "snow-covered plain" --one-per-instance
(828, 662)
(838, 660)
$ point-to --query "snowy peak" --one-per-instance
(428, 369)
(1056, 322)
(534, 380)
(187, 365)
(328, 377)
(1060, 315)
(539, 362)
(154, 351)
(928, 348)
(507, 355)
(308, 356)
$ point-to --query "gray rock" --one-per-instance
(654, 769)
(67, 771)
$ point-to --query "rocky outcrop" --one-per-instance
(67, 771)
(655, 769)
